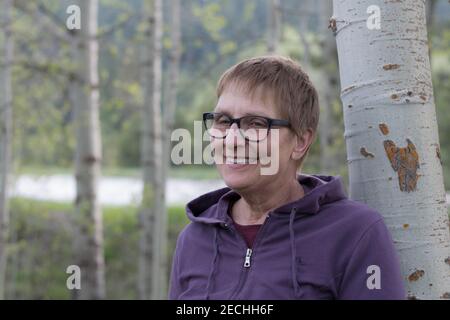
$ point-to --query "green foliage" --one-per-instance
(211, 18)
(42, 248)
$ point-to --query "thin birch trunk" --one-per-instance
(88, 156)
(274, 26)
(5, 135)
(392, 137)
(171, 88)
(303, 31)
(171, 105)
(329, 91)
(153, 240)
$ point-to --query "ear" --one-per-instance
(302, 144)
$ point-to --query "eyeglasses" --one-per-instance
(252, 128)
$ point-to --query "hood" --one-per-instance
(211, 244)
(212, 207)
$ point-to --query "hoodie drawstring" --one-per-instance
(214, 262)
(293, 252)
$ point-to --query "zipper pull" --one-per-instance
(248, 255)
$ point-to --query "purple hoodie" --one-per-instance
(323, 246)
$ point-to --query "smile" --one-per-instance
(240, 161)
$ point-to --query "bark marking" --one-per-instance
(416, 275)
(405, 161)
(391, 66)
(366, 153)
(447, 261)
(438, 154)
(384, 129)
(332, 24)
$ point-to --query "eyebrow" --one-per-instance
(245, 114)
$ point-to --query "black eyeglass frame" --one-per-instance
(271, 123)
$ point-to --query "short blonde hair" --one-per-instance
(290, 87)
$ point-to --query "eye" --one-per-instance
(257, 123)
(222, 119)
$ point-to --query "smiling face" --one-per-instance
(241, 168)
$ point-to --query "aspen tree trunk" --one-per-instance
(153, 239)
(274, 26)
(391, 134)
(305, 10)
(6, 55)
(169, 116)
(171, 88)
(328, 86)
(88, 157)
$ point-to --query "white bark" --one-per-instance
(171, 88)
(153, 241)
(392, 137)
(88, 156)
(6, 55)
(328, 86)
(303, 31)
(274, 29)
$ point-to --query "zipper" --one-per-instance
(247, 260)
(248, 255)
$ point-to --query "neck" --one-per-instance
(253, 207)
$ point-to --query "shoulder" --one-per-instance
(187, 233)
(357, 216)
(193, 234)
(345, 222)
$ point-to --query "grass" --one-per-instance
(176, 213)
(41, 248)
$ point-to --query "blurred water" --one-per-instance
(113, 190)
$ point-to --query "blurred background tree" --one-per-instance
(215, 34)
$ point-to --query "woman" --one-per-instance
(284, 235)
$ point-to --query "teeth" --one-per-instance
(235, 161)
(238, 161)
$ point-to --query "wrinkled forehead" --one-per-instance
(257, 98)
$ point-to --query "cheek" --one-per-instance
(280, 147)
(218, 149)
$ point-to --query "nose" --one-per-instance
(234, 137)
